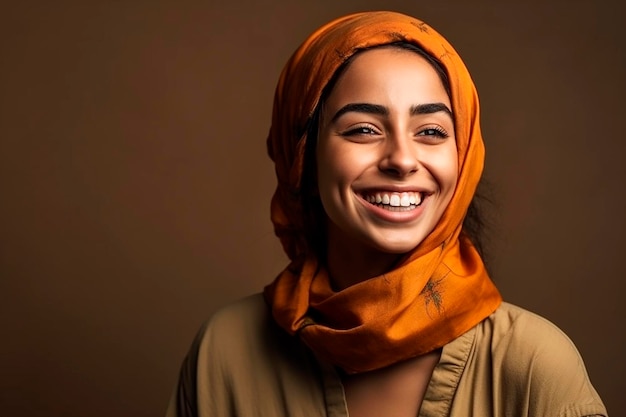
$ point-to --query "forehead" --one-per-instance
(388, 73)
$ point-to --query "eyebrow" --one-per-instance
(361, 108)
(430, 108)
(377, 109)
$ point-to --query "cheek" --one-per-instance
(334, 166)
(451, 172)
(339, 166)
(443, 166)
(327, 173)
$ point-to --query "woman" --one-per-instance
(386, 308)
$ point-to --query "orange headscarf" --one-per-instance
(441, 289)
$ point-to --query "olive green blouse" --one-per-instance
(514, 363)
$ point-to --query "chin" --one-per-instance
(396, 248)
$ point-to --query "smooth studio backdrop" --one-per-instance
(135, 187)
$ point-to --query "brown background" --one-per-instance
(135, 187)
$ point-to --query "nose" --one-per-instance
(399, 158)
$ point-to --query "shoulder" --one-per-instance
(516, 333)
(229, 332)
(238, 318)
(537, 362)
(240, 355)
(526, 342)
(203, 380)
(243, 339)
(521, 329)
(241, 329)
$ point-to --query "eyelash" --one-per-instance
(361, 130)
(436, 131)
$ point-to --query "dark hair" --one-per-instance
(315, 220)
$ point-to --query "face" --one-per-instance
(386, 153)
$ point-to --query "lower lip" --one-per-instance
(395, 216)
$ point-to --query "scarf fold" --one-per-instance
(439, 290)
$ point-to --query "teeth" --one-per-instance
(395, 199)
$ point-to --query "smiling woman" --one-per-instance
(386, 308)
(387, 166)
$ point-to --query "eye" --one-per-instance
(364, 130)
(434, 132)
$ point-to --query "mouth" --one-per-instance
(394, 201)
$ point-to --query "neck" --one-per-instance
(349, 262)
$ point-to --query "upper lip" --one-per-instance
(392, 189)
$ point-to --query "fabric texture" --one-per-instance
(439, 290)
(512, 364)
